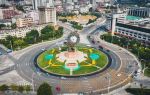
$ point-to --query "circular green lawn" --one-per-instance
(101, 62)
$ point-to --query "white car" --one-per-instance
(9, 51)
(43, 49)
(63, 78)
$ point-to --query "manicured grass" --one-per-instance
(85, 70)
(58, 70)
(147, 72)
(100, 62)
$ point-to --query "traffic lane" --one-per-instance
(4, 71)
(27, 70)
(3, 51)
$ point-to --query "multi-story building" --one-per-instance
(47, 15)
(24, 22)
(33, 14)
(138, 32)
(38, 3)
(59, 5)
(138, 28)
(133, 1)
(140, 12)
(19, 32)
(84, 9)
(7, 13)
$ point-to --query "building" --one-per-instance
(24, 22)
(38, 3)
(133, 1)
(84, 9)
(7, 13)
(47, 15)
(3, 2)
(137, 28)
(33, 14)
(68, 7)
(19, 32)
(140, 12)
(59, 6)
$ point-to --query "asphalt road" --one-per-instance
(25, 67)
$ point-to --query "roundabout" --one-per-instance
(60, 62)
(96, 70)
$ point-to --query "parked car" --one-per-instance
(9, 51)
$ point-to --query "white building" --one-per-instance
(6, 22)
(84, 9)
(19, 32)
(130, 29)
(140, 12)
(139, 33)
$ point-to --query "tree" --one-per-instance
(44, 89)
(20, 89)
(13, 25)
(19, 7)
(63, 20)
(33, 35)
(29, 40)
(47, 32)
(4, 87)
(61, 29)
(19, 43)
(14, 87)
(27, 88)
(10, 39)
(2, 26)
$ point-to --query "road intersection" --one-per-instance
(121, 71)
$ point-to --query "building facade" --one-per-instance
(7, 13)
(129, 29)
(140, 12)
(19, 32)
(47, 15)
(133, 32)
(24, 22)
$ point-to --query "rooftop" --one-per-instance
(133, 18)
